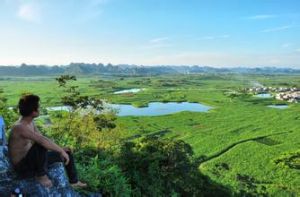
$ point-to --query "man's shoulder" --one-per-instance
(20, 130)
(17, 127)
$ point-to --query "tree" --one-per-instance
(164, 167)
(83, 125)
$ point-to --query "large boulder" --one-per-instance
(30, 187)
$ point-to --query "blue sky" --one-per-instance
(220, 33)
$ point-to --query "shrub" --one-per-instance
(164, 167)
(102, 175)
(10, 116)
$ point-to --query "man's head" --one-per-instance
(29, 105)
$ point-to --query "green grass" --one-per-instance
(250, 165)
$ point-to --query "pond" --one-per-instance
(283, 106)
(263, 95)
(158, 108)
(153, 109)
(59, 108)
(133, 90)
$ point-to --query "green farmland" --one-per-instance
(240, 143)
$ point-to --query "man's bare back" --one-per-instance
(18, 145)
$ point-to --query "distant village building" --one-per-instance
(293, 97)
(281, 93)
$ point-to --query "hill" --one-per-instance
(132, 70)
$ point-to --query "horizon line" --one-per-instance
(155, 65)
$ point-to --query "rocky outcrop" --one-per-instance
(30, 187)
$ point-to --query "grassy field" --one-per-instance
(240, 143)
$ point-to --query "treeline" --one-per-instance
(131, 70)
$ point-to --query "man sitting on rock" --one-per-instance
(28, 148)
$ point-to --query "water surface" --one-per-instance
(153, 109)
(278, 106)
(133, 90)
(59, 108)
(263, 95)
(158, 108)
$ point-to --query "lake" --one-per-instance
(278, 106)
(133, 90)
(264, 95)
(153, 109)
(59, 108)
(158, 108)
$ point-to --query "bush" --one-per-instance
(163, 167)
(10, 116)
(102, 175)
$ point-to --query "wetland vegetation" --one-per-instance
(239, 147)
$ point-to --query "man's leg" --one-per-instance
(35, 164)
(70, 168)
(39, 153)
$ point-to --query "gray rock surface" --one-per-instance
(30, 187)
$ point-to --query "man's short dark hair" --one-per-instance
(28, 104)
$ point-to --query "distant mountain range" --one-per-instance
(132, 70)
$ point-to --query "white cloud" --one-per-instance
(159, 40)
(224, 36)
(275, 29)
(207, 38)
(262, 16)
(214, 37)
(92, 10)
(29, 13)
(157, 46)
(156, 43)
(298, 50)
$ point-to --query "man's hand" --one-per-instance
(67, 149)
(65, 157)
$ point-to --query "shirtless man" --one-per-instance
(28, 148)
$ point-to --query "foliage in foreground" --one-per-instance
(9, 115)
(163, 167)
(102, 174)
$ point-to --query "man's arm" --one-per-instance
(66, 149)
(36, 130)
(43, 141)
(35, 127)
